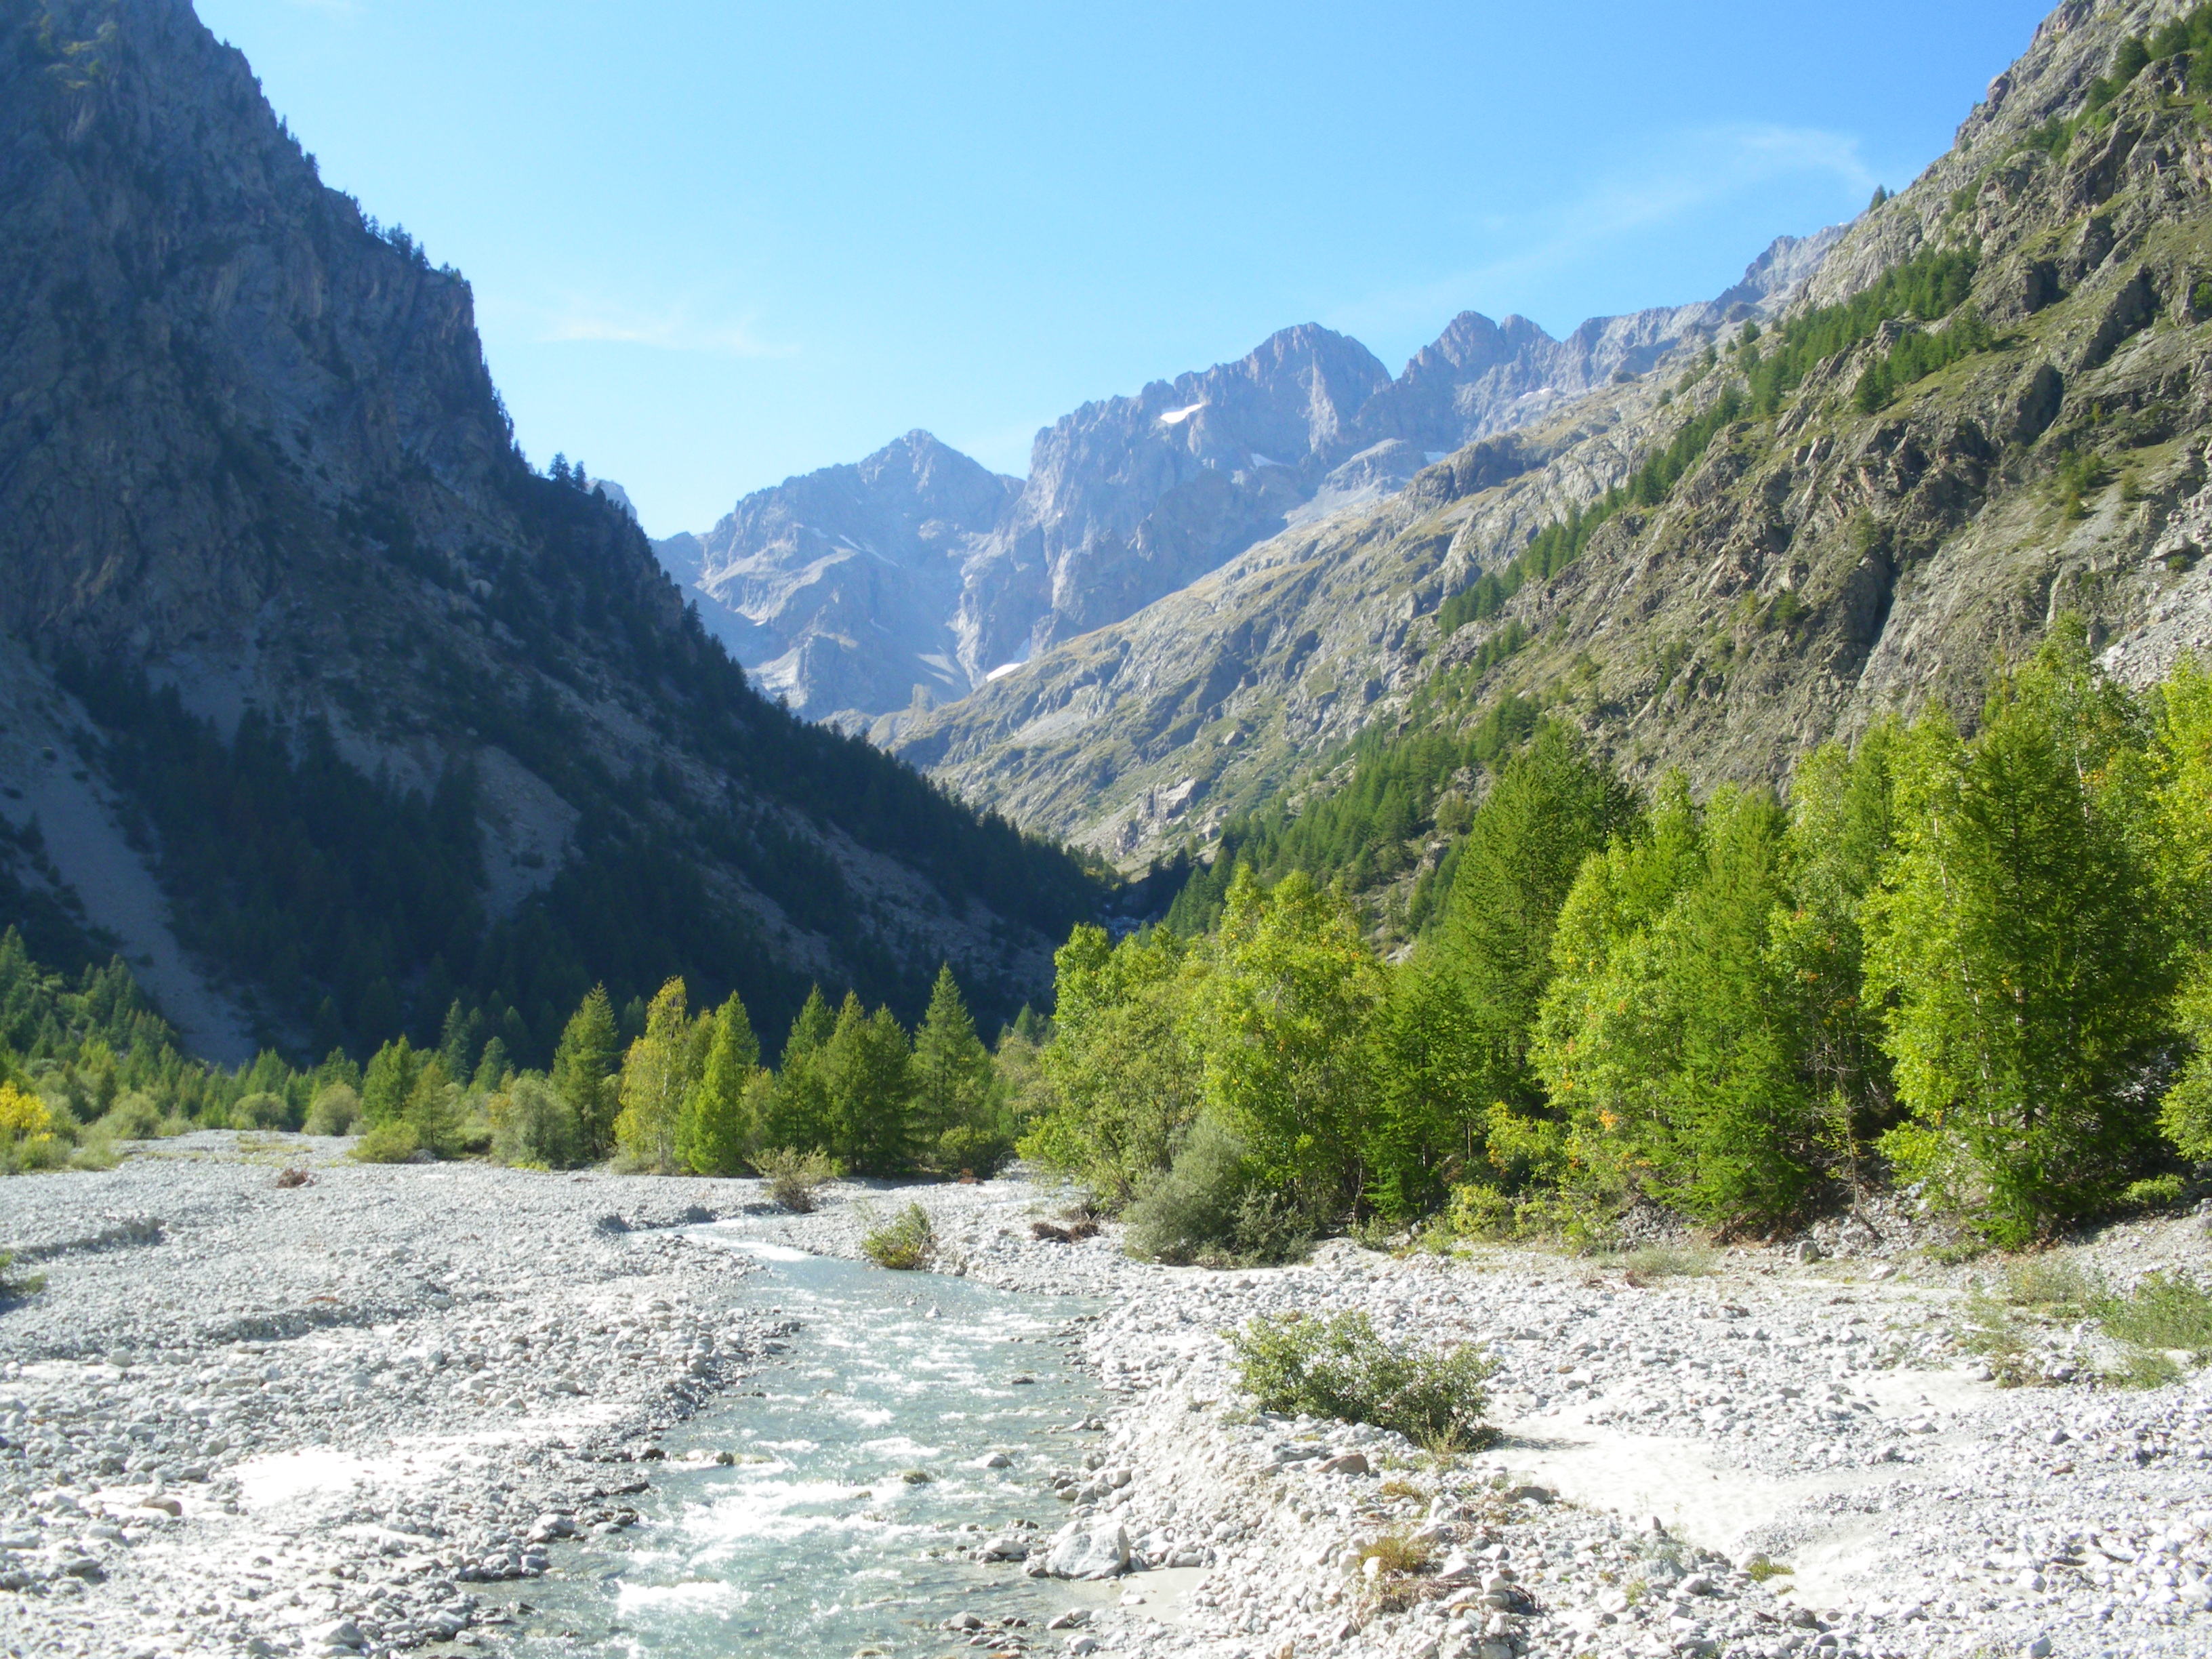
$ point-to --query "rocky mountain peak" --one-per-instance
(1132, 498)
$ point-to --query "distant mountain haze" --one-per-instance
(875, 590)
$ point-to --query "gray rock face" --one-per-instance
(906, 580)
(838, 589)
(248, 443)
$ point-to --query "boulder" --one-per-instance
(1098, 1551)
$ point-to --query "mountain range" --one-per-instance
(320, 704)
(909, 578)
(337, 718)
(1987, 407)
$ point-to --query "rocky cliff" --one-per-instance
(1862, 537)
(249, 450)
(881, 589)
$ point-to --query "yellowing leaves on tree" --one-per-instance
(23, 1117)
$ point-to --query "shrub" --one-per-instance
(27, 1136)
(904, 1243)
(533, 1126)
(795, 1180)
(978, 1150)
(1212, 1207)
(334, 1111)
(133, 1117)
(1652, 1262)
(2164, 1313)
(1339, 1366)
(2154, 1192)
(393, 1142)
(13, 1284)
(260, 1111)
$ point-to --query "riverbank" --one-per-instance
(347, 1415)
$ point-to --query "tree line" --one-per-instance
(1979, 964)
(685, 1091)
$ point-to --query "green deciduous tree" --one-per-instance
(658, 1073)
(1284, 1022)
(713, 1133)
(868, 1071)
(2020, 937)
(583, 1071)
(2184, 807)
(1676, 1036)
(1118, 1085)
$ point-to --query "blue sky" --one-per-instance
(714, 244)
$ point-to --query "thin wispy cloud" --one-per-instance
(668, 328)
(1697, 171)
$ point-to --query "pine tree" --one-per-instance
(951, 1075)
(712, 1136)
(658, 1072)
(583, 1071)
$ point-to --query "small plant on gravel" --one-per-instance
(12, 1285)
(904, 1243)
(1759, 1569)
(1390, 1490)
(795, 1180)
(2146, 1369)
(392, 1142)
(2053, 1287)
(1339, 1366)
(1989, 1331)
(1654, 1261)
(1392, 1565)
(2164, 1312)
(295, 1176)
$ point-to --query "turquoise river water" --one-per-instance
(815, 1544)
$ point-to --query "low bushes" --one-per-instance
(904, 1243)
(334, 1111)
(1339, 1366)
(1212, 1207)
(391, 1142)
(532, 1127)
(795, 1180)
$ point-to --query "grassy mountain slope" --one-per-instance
(1855, 535)
(394, 719)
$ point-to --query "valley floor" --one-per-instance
(340, 1417)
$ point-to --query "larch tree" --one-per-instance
(713, 1133)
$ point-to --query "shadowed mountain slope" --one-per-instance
(393, 719)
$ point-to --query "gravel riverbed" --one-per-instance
(358, 1415)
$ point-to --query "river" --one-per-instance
(815, 1541)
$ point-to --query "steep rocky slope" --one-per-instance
(909, 578)
(1830, 556)
(250, 452)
